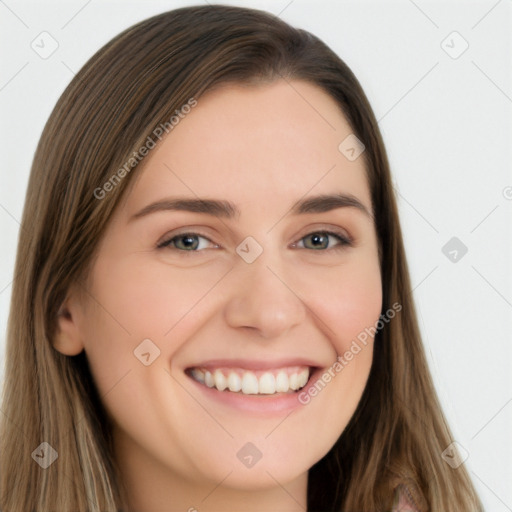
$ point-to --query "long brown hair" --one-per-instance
(130, 86)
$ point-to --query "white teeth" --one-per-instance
(234, 382)
(198, 375)
(267, 384)
(282, 382)
(221, 382)
(248, 383)
(303, 379)
(294, 381)
(208, 379)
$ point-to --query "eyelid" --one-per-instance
(181, 232)
(345, 238)
(328, 229)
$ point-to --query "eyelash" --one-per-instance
(344, 241)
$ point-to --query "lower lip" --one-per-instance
(266, 404)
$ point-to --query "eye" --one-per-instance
(319, 240)
(316, 240)
(185, 242)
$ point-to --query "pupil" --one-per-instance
(188, 241)
(317, 239)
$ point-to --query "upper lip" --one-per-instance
(255, 364)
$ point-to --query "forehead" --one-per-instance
(269, 143)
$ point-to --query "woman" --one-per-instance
(177, 346)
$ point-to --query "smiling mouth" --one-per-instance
(246, 382)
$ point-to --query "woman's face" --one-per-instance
(256, 293)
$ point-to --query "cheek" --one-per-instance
(349, 307)
(132, 302)
(152, 297)
(354, 309)
(349, 302)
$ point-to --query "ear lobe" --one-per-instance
(67, 339)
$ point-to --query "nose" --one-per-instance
(263, 299)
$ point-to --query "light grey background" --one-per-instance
(447, 126)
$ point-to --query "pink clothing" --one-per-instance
(404, 501)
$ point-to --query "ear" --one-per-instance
(68, 337)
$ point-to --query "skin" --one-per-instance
(262, 148)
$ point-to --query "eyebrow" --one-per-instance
(228, 210)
